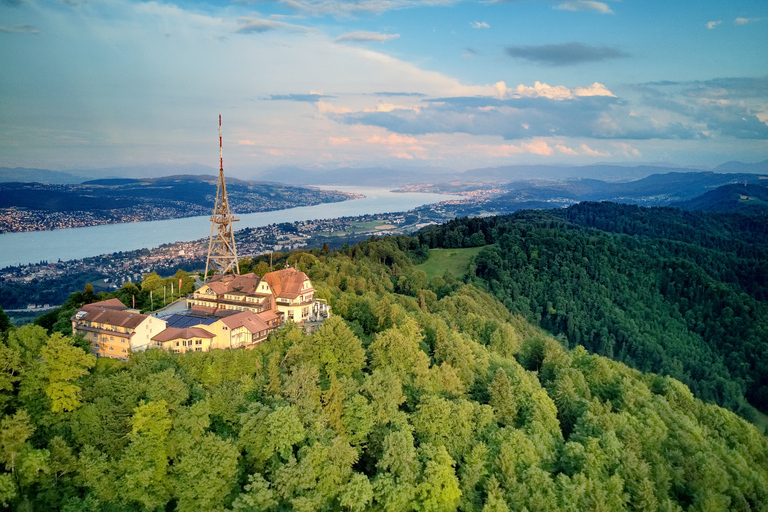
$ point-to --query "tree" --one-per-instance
(5, 322)
(205, 474)
(62, 363)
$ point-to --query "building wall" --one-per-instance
(182, 345)
(142, 336)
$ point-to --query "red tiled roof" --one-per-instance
(98, 314)
(232, 283)
(109, 304)
(175, 333)
(286, 283)
(247, 319)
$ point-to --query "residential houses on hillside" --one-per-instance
(229, 311)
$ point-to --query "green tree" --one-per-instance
(63, 363)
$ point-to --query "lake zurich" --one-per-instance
(77, 243)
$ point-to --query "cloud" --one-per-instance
(712, 24)
(585, 5)
(346, 8)
(544, 90)
(413, 94)
(601, 117)
(19, 29)
(565, 54)
(596, 89)
(246, 142)
(744, 21)
(479, 24)
(724, 106)
(310, 98)
(586, 150)
(366, 37)
(260, 25)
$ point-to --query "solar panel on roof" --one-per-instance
(184, 321)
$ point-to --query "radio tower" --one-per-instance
(222, 254)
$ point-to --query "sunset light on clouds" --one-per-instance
(326, 83)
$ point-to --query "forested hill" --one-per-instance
(415, 396)
(663, 290)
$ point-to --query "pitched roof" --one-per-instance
(232, 283)
(176, 333)
(98, 314)
(247, 319)
(110, 304)
(286, 283)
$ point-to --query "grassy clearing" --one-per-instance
(454, 261)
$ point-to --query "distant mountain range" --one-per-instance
(379, 176)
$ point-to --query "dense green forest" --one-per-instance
(415, 396)
(678, 293)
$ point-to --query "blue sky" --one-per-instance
(418, 83)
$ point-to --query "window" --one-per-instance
(198, 349)
(198, 342)
(112, 348)
(177, 344)
(124, 351)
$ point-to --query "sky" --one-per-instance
(422, 84)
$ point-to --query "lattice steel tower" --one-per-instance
(222, 254)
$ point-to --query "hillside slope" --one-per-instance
(415, 396)
(679, 293)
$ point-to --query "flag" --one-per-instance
(179, 285)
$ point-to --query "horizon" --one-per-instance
(421, 84)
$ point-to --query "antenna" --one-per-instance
(222, 254)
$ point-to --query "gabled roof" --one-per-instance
(247, 319)
(232, 283)
(175, 333)
(104, 315)
(110, 304)
(286, 283)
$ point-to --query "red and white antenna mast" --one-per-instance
(222, 254)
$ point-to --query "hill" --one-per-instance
(746, 198)
(32, 205)
(416, 395)
(663, 290)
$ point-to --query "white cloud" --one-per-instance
(365, 37)
(744, 21)
(246, 142)
(347, 8)
(596, 89)
(585, 5)
(479, 24)
(712, 24)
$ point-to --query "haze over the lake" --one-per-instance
(422, 83)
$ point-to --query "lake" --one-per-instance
(78, 243)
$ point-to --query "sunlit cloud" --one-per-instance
(585, 5)
(366, 37)
(712, 24)
(246, 142)
(479, 24)
(346, 8)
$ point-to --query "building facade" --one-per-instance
(294, 294)
(247, 292)
(114, 330)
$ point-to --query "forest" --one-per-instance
(415, 395)
(663, 290)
